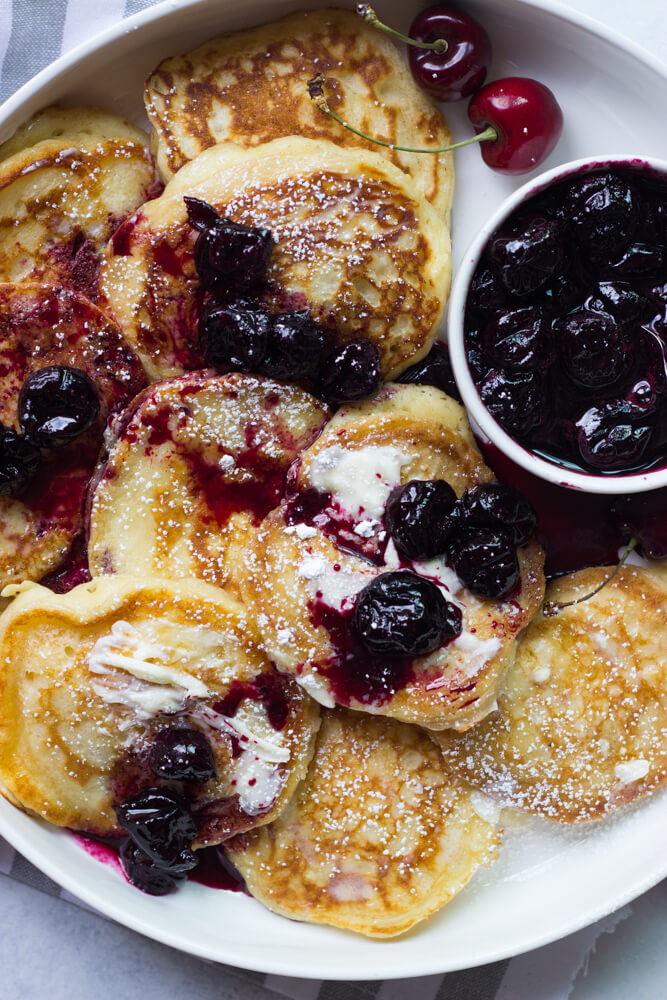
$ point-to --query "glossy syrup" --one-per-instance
(267, 689)
(580, 529)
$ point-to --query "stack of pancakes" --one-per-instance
(364, 812)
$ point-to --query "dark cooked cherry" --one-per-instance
(403, 614)
(487, 292)
(527, 253)
(143, 873)
(233, 336)
(159, 824)
(492, 505)
(518, 339)
(626, 304)
(56, 404)
(485, 560)
(19, 461)
(641, 260)
(461, 69)
(294, 348)
(417, 517)
(435, 369)
(515, 399)
(600, 211)
(568, 288)
(526, 118)
(592, 348)
(353, 371)
(610, 437)
(227, 254)
(182, 754)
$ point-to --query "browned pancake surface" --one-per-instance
(250, 87)
(305, 570)
(581, 726)
(377, 836)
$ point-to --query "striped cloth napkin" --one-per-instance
(32, 34)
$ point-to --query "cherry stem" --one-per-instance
(555, 607)
(317, 96)
(366, 12)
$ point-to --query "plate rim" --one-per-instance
(10, 117)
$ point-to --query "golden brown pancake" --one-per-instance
(73, 126)
(354, 243)
(581, 726)
(250, 87)
(66, 186)
(42, 326)
(312, 556)
(201, 459)
(90, 678)
(377, 836)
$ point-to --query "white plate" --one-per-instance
(548, 881)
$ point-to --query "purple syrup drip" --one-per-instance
(352, 672)
(268, 689)
(214, 869)
(585, 529)
(322, 512)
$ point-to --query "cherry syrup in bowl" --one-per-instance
(557, 326)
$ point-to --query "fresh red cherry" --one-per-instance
(522, 117)
(449, 52)
(526, 117)
(461, 69)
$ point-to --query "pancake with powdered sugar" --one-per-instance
(312, 556)
(92, 677)
(355, 243)
(581, 726)
(377, 836)
(199, 462)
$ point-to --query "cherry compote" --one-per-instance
(435, 369)
(57, 404)
(485, 560)
(402, 614)
(182, 754)
(353, 371)
(294, 350)
(229, 256)
(566, 322)
(417, 516)
(233, 336)
(159, 825)
(19, 461)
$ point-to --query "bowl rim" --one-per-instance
(483, 422)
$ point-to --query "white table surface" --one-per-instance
(53, 950)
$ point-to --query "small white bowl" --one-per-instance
(484, 425)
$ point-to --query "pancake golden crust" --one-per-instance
(250, 87)
(582, 723)
(62, 198)
(75, 126)
(377, 836)
(200, 461)
(303, 575)
(90, 677)
(354, 244)
(41, 326)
